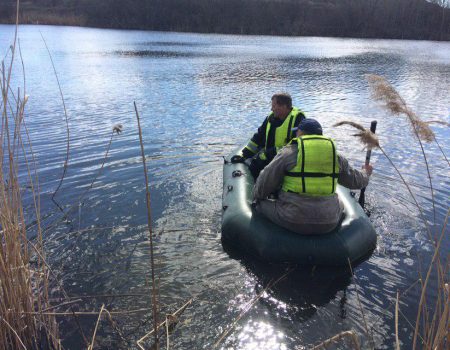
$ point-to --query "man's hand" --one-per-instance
(368, 168)
(237, 159)
(271, 153)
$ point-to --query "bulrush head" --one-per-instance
(118, 128)
(367, 138)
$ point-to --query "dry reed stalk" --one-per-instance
(393, 102)
(149, 225)
(116, 328)
(117, 129)
(346, 334)
(84, 313)
(91, 345)
(96, 296)
(249, 305)
(411, 326)
(366, 328)
(62, 289)
(173, 318)
(393, 302)
(443, 327)
(397, 342)
(435, 336)
(14, 332)
(431, 327)
(435, 139)
(66, 161)
(62, 304)
(167, 333)
(442, 151)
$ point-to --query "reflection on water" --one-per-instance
(158, 53)
(199, 97)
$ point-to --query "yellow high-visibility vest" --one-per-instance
(317, 169)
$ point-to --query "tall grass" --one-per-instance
(24, 274)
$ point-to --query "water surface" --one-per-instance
(200, 96)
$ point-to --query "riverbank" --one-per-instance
(401, 19)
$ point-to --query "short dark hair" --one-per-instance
(283, 98)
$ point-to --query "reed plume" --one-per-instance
(393, 102)
(365, 136)
(117, 128)
(369, 139)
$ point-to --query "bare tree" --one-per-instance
(445, 4)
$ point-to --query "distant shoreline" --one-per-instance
(61, 23)
(423, 21)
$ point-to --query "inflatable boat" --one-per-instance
(352, 240)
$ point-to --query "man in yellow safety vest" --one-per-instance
(305, 173)
(274, 133)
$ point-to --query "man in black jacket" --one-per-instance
(274, 133)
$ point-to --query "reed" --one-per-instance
(392, 101)
(351, 335)
(432, 329)
(370, 140)
(430, 334)
(149, 225)
(249, 305)
(358, 299)
(66, 117)
(24, 276)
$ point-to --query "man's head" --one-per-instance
(281, 105)
(308, 126)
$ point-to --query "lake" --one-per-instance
(201, 96)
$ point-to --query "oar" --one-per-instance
(362, 196)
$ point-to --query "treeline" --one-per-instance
(399, 19)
